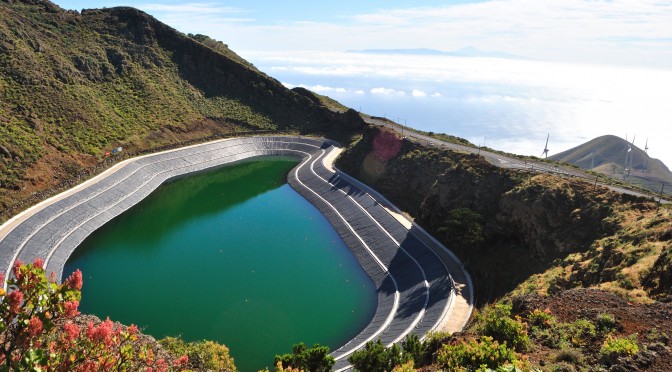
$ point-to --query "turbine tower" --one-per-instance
(545, 152)
(592, 162)
(626, 169)
(646, 155)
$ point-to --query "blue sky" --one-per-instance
(615, 32)
(592, 67)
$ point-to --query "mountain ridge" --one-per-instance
(75, 85)
(607, 155)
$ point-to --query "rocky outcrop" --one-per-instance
(550, 216)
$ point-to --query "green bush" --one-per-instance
(464, 227)
(486, 353)
(497, 323)
(315, 359)
(581, 332)
(571, 356)
(203, 355)
(615, 347)
(606, 323)
(375, 357)
(413, 349)
(541, 318)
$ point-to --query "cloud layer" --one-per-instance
(595, 31)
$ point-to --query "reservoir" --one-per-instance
(233, 255)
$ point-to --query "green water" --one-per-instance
(233, 255)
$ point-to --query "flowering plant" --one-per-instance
(40, 329)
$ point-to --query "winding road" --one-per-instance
(421, 285)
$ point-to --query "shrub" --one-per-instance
(314, 359)
(541, 318)
(487, 352)
(432, 343)
(615, 347)
(203, 355)
(581, 332)
(375, 357)
(39, 329)
(606, 323)
(413, 349)
(497, 323)
(571, 356)
(464, 227)
(406, 367)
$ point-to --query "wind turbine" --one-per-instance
(592, 162)
(626, 170)
(646, 153)
(545, 152)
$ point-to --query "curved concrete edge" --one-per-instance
(128, 182)
(461, 305)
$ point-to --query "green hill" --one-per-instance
(73, 85)
(607, 155)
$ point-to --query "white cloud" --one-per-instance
(191, 8)
(418, 93)
(437, 94)
(322, 89)
(387, 91)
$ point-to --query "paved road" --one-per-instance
(420, 283)
(504, 161)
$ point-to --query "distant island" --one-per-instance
(468, 51)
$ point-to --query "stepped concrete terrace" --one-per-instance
(421, 286)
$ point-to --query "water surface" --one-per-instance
(233, 255)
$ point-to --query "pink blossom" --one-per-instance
(2, 277)
(15, 299)
(72, 331)
(70, 309)
(181, 361)
(38, 263)
(75, 281)
(102, 333)
(161, 365)
(35, 326)
(133, 329)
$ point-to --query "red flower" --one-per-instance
(72, 331)
(75, 281)
(35, 326)
(70, 309)
(102, 333)
(181, 362)
(132, 329)
(161, 365)
(17, 269)
(38, 263)
(15, 299)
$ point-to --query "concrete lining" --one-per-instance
(420, 284)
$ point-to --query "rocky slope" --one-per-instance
(73, 86)
(521, 232)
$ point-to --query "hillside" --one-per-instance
(74, 86)
(607, 154)
(525, 237)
